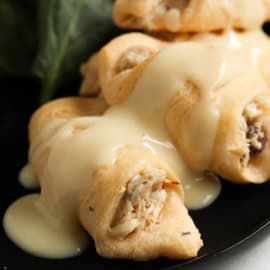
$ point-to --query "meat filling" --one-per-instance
(133, 57)
(141, 203)
(256, 137)
(255, 134)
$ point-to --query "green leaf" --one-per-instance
(70, 30)
(17, 37)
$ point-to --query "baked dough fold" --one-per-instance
(64, 108)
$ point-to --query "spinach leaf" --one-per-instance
(17, 37)
(69, 31)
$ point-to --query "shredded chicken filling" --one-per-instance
(254, 131)
(133, 57)
(141, 204)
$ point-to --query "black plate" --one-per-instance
(238, 213)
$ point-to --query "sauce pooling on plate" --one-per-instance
(28, 224)
(27, 177)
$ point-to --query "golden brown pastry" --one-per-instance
(265, 64)
(244, 142)
(90, 84)
(240, 150)
(133, 208)
(190, 15)
(119, 58)
(218, 138)
(64, 108)
(185, 105)
(255, 44)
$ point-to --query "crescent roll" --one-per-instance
(64, 108)
(190, 15)
(241, 147)
(90, 85)
(133, 208)
(244, 142)
(122, 61)
(239, 140)
(121, 57)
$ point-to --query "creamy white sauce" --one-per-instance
(65, 153)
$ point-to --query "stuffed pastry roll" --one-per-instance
(119, 58)
(134, 209)
(64, 108)
(90, 84)
(190, 15)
